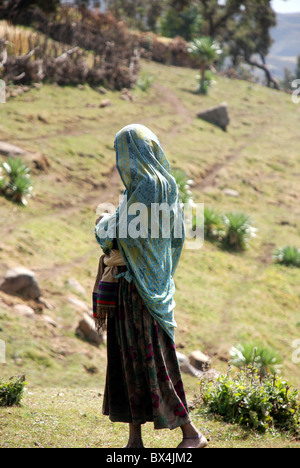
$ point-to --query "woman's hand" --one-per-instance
(101, 217)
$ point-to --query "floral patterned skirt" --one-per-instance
(143, 380)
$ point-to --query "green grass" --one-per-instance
(63, 418)
(222, 298)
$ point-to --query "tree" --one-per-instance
(243, 25)
(137, 13)
(207, 51)
(249, 37)
(12, 9)
(185, 22)
(297, 71)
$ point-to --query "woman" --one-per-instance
(143, 378)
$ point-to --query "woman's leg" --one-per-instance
(135, 437)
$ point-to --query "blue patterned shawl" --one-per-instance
(151, 262)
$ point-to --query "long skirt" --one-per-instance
(143, 382)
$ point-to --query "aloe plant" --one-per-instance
(289, 256)
(239, 231)
(266, 360)
(15, 183)
(214, 227)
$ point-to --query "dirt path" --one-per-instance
(166, 95)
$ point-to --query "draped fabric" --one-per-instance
(148, 224)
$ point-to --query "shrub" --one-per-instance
(12, 392)
(214, 228)
(113, 60)
(184, 186)
(145, 82)
(266, 360)
(239, 231)
(15, 184)
(289, 256)
(257, 404)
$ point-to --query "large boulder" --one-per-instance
(200, 361)
(216, 115)
(87, 330)
(186, 367)
(21, 282)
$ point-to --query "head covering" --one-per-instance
(151, 252)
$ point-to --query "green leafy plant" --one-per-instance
(289, 256)
(258, 404)
(11, 392)
(239, 231)
(206, 82)
(15, 183)
(184, 186)
(214, 227)
(266, 360)
(207, 51)
(145, 82)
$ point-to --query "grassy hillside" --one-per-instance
(222, 298)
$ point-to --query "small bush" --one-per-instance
(214, 228)
(257, 404)
(15, 181)
(266, 360)
(239, 231)
(145, 82)
(288, 256)
(184, 186)
(11, 393)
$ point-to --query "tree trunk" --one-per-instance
(269, 77)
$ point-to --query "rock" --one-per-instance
(126, 95)
(101, 90)
(200, 361)
(87, 329)
(21, 282)
(231, 193)
(45, 303)
(74, 284)
(91, 369)
(6, 149)
(216, 115)
(186, 367)
(37, 161)
(24, 310)
(105, 103)
(80, 305)
(50, 321)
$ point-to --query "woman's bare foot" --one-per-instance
(193, 442)
(192, 438)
